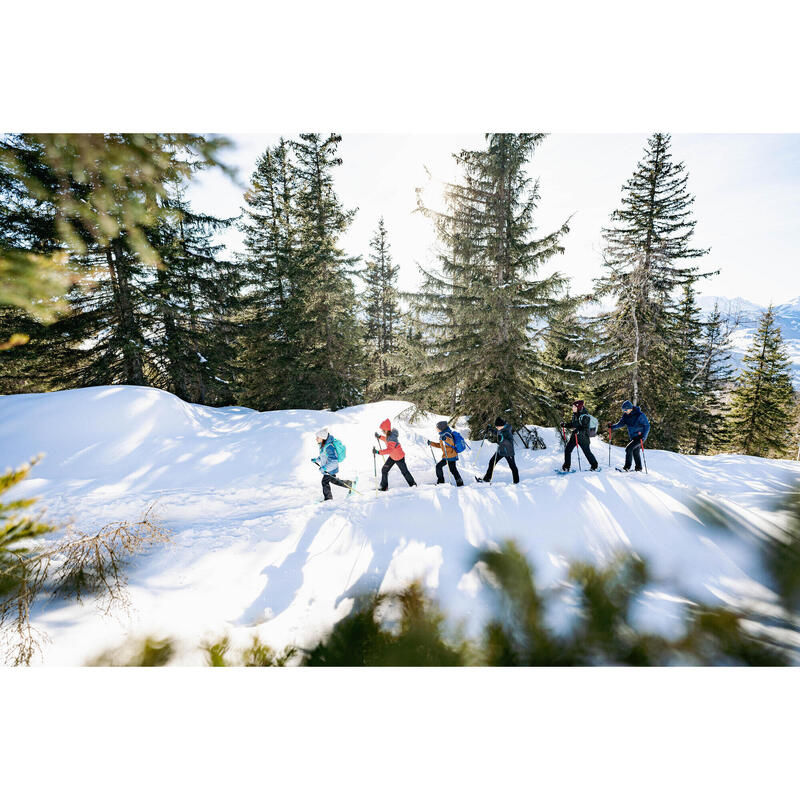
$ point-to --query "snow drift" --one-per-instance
(254, 552)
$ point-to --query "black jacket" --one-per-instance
(505, 441)
(579, 423)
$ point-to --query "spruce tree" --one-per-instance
(99, 198)
(272, 320)
(704, 431)
(762, 404)
(331, 367)
(483, 312)
(382, 316)
(301, 341)
(564, 355)
(648, 256)
(681, 400)
(193, 301)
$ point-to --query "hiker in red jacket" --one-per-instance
(395, 453)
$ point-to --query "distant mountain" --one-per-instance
(747, 316)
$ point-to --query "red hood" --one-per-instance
(386, 426)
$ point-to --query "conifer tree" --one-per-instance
(272, 320)
(762, 404)
(331, 367)
(705, 426)
(648, 256)
(382, 316)
(564, 355)
(192, 306)
(91, 202)
(679, 396)
(301, 341)
(483, 312)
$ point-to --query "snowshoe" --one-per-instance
(564, 471)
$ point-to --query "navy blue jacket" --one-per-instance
(636, 422)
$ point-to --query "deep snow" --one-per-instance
(253, 551)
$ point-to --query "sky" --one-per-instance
(746, 189)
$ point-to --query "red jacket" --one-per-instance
(393, 449)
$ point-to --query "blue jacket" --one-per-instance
(327, 460)
(636, 422)
(505, 441)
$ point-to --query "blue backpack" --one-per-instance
(459, 442)
(341, 450)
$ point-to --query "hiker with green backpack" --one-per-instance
(582, 426)
(331, 453)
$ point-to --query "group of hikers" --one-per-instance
(582, 427)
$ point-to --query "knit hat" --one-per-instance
(322, 433)
(441, 426)
(626, 405)
(578, 403)
(499, 422)
(386, 425)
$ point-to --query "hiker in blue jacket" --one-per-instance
(505, 450)
(634, 419)
(328, 463)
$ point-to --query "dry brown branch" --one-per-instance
(76, 567)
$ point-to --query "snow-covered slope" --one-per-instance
(254, 552)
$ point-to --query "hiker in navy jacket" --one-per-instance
(634, 419)
(579, 427)
(505, 450)
(328, 463)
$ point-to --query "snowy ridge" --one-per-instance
(254, 553)
(748, 316)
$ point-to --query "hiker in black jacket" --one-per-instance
(579, 427)
(505, 450)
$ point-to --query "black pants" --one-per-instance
(401, 465)
(633, 450)
(452, 466)
(583, 441)
(511, 463)
(327, 480)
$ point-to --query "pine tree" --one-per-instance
(331, 367)
(382, 316)
(680, 399)
(272, 321)
(648, 256)
(564, 355)
(192, 306)
(301, 341)
(705, 425)
(482, 313)
(762, 404)
(96, 200)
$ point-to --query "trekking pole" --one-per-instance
(641, 441)
(609, 444)
(578, 451)
(375, 470)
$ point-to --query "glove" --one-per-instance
(377, 436)
(429, 442)
(374, 451)
(315, 461)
